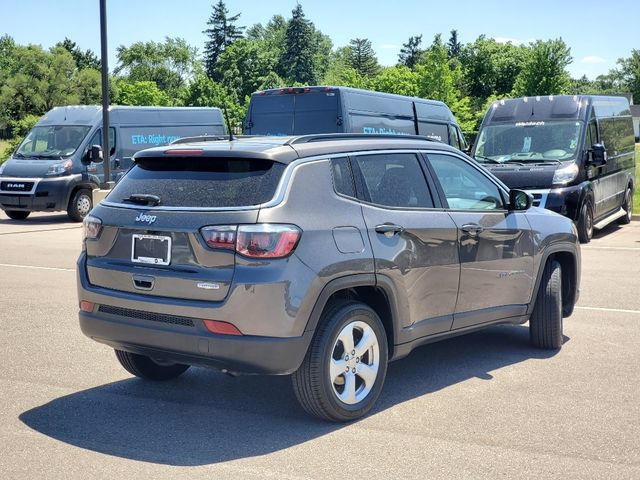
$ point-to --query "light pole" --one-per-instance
(106, 153)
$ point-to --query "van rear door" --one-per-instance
(295, 111)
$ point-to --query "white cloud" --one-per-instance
(593, 59)
(515, 41)
(388, 46)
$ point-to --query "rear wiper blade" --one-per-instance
(143, 199)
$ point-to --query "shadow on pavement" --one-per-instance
(39, 220)
(204, 417)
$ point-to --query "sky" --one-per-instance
(597, 32)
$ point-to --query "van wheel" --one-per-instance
(80, 205)
(148, 368)
(343, 372)
(585, 222)
(16, 214)
(628, 207)
(545, 324)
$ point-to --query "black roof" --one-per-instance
(289, 148)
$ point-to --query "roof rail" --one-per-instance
(321, 137)
(200, 138)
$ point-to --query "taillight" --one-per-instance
(262, 240)
(220, 236)
(267, 241)
(92, 227)
(222, 328)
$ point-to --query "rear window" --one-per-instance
(201, 182)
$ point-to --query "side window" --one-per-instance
(97, 138)
(392, 180)
(465, 187)
(454, 141)
(342, 178)
(436, 131)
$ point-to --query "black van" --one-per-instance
(46, 173)
(574, 154)
(304, 110)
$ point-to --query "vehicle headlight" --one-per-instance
(564, 175)
(60, 168)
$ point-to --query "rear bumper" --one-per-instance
(196, 346)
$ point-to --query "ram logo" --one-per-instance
(15, 186)
(143, 217)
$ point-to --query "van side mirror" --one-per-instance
(519, 200)
(92, 155)
(598, 155)
(637, 138)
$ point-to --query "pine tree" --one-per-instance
(411, 52)
(297, 58)
(362, 57)
(454, 47)
(222, 33)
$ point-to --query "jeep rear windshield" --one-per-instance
(203, 182)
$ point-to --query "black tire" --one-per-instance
(545, 324)
(628, 207)
(312, 385)
(585, 222)
(145, 367)
(80, 204)
(16, 214)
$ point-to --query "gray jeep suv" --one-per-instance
(320, 256)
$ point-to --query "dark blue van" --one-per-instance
(46, 173)
(304, 110)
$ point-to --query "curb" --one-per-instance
(635, 217)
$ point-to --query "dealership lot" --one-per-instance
(481, 406)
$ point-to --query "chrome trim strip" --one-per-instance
(35, 181)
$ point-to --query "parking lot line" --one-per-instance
(37, 268)
(603, 309)
(593, 247)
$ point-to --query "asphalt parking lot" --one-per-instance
(481, 406)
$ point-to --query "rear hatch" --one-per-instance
(167, 226)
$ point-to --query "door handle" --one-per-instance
(472, 228)
(389, 229)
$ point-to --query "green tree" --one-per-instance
(362, 58)
(544, 72)
(204, 92)
(222, 33)
(410, 52)
(89, 86)
(244, 66)
(36, 81)
(438, 80)
(490, 68)
(454, 47)
(630, 73)
(400, 80)
(169, 64)
(141, 93)
(297, 58)
(83, 59)
(340, 73)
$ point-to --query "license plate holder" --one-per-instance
(150, 249)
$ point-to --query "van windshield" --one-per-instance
(52, 141)
(536, 141)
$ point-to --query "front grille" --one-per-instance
(536, 199)
(16, 186)
(150, 316)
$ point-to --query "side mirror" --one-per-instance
(519, 200)
(637, 138)
(92, 155)
(598, 155)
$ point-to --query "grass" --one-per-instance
(3, 146)
(636, 194)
